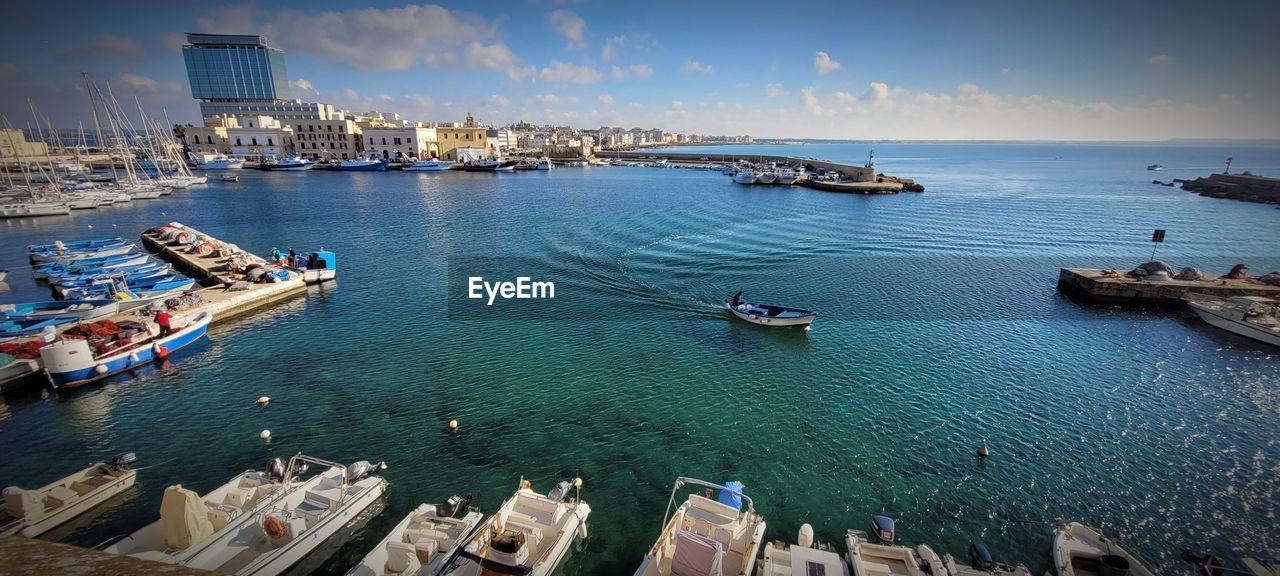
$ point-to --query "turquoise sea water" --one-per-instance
(940, 327)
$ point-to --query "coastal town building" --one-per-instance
(339, 138)
(468, 135)
(14, 145)
(253, 137)
(390, 143)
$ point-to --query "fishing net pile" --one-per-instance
(22, 350)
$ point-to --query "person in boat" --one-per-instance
(293, 257)
(275, 255)
(737, 299)
(163, 319)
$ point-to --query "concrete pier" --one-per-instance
(859, 179)
(31, 557)
(1246, 187)
(214, 272)
(1094, 285)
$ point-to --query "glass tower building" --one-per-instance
(231, 67)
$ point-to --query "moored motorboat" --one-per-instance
(423, 541)
(31, 513)
(982, 564)
(530, 534)
(745, 176)
(362, 165)
(768, 315)
(234, 178)
(73, 254)
(706, 536)
(767, 177)
(17, 327)
(219, 162)
(319, 266)
(1079, 550)
(786, 176)
(292, 162)
(432, 165)
(296, 522)
(81, 309)
(804, 558)
(1249, 316)
(874, 553)
(72, 362)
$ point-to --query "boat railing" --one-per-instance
(681, 481)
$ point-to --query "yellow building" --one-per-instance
(468, 135)
(13, 144)
(336, 139)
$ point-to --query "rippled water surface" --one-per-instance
(940, 327)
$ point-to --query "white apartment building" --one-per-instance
(416, 143)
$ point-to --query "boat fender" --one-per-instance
(526, 485)
(273, 526)
(101, 369)
(160, 351)
(133, 356)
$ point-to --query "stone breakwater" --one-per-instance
(1246, 187)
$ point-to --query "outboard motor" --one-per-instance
(980, 557)
(275, 469)
(1207, 565)
(882, 529)
(363, 468)
(123, 461)
(453, 505)
(561, 490)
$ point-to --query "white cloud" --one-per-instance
(611, 47)
(363, 38)
(569, 25)
(811, 104)
(493, 56)
(302, 84)
(562, 73)
(878, 95)
(968, 88)
(606, 99)
(1004, 71)
(499, 100)
(520, 73)
(1160, 61)
(554, 99)
(844, 97)
(676, 110)
(695, 66)
(823, 64)
(632, 71)
(773, 90)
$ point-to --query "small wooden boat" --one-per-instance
(875, 554)
(423, 541)
(72, 362)
(530, 534)
(83, 309)
(768, 315)
(705, 536)
(34, 512)
(1249, 316)
(76, 245)
(230, 178)
(1079, 550)
(70, 256)
(22, 326)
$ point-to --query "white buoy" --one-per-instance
(265, 434)
(91, 226)
(453, 424)
(264, 400)
(805, 538)
(577, 482)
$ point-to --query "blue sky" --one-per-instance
(908, 70)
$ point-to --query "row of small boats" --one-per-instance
(295, 162)
(263, 522)
(769, 173)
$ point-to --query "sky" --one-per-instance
(901, 70)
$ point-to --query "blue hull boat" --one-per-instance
(71, 362)
(139, 289)
(81, 309)
(138, 272)
(362, 166)
(77, 245)
(92, 266)
(18, 327)
(68, 256)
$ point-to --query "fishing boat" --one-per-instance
(1249, 316)
(805, 558)
(72, 362)
(81, 309)
(290, 162)
(72, 255)
(362, 165)
(707, 536)
(767, 177)
(430, 166)
(485, 165)
(786, 177)
(31, 513)
(139, 271)
(88, 265)
(220, 162)
(423, 541)
(294, 524)
(189, 522)
(745, 176)
(530, 534)
(875, 554)
(768, 315)
(129, 289)
(981, 564)
(231, 178)
(1079, 550)
(1154, 167)
(318, 267)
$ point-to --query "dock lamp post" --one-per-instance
(1157, 237)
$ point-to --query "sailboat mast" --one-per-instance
(98, 123)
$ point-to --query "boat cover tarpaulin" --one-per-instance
(733, 498)
(696, 555)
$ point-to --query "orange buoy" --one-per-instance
(273, 526)
(527, 485)
(162, 352)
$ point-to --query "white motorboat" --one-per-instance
(34, 512)
(296, 522)
(786, 177)
(1079, 550)
(83, 203)
(33, 208)
(3, 274)
(529, 535)
(231, 178)
(1249, 316)
(707, 536)
(220, 162)
(189, 522)
(291, 162)
(430, 166)
(423, 541)
(804, 558)
(768, 177)
(981, 564)
(877, 555)
(767, 314)
(202, 179)
(745, 176)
